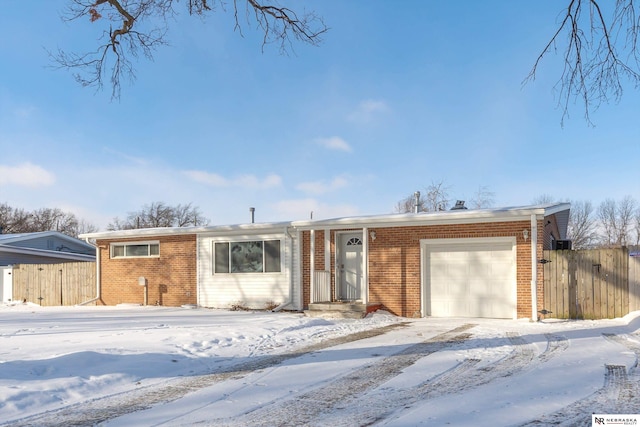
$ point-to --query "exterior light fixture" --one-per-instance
(525, 234)
(373, 235)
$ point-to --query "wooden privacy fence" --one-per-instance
(591, 284)
(68, 283)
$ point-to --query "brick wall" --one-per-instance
(171, 278)
(394, 262)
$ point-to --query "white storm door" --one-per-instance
(350, 266)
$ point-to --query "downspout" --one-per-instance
(312, 266)
(534, 268)
(365, 266)
(290, 301)
(97, 275)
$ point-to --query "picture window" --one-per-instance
(256, 256)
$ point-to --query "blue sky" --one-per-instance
(399, 95)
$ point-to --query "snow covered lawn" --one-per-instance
(152, 366)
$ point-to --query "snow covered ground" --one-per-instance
(159, 366)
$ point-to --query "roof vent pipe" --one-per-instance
(417, 196)
(253, 212)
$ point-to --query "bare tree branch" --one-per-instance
(139, 27)
(600, 55)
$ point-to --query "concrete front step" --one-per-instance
(344, 310)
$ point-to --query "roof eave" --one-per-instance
(435, 218)
(48, 254)
(173, 231)
(21, 237)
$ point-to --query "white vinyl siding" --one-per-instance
(469, 277)
(221, 290)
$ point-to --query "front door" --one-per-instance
(350, 266)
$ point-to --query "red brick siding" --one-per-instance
(394, 262)
(171, 278)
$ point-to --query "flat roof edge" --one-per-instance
(506, 214)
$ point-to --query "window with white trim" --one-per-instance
(135, 250)
(256, 256)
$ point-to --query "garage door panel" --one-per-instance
(471, 279)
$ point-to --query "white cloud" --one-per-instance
(26, 174)
(322, 187)
(334, 143)
(137, 160)
(24, 113)
(367, 110)
(211, 179)
(243, 181)
(250, 181)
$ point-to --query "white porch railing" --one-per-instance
(321, 286)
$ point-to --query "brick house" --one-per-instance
(458, 263)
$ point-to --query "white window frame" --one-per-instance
(149, 243)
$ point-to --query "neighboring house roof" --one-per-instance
(517, 213)
(46, 244)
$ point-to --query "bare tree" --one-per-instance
(616, 220)
(543, 199)
(484, 198)
(408, 204)
(53, 219)
(186, 215)
(582, 225)
(600, 44)
(434, 198)
(133, 28)
(14, 220)
(636, 227)
(608, 221)
(85, 227)
(159, 214)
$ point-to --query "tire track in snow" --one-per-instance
(386, 404)
(604, 400)
(96, 411)
(620, 393)
(307, 408)
(555, 344)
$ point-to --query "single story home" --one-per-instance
(457, 263)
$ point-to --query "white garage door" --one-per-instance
(469, 278)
